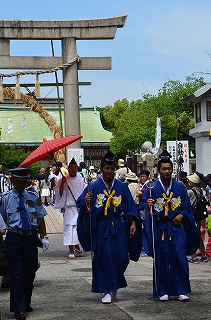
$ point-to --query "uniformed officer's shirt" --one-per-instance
(2, 223)
(9, 209)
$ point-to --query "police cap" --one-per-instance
(20, 173)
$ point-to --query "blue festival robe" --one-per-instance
(110, 221)
(167, 243)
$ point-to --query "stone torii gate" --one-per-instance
(68, 31)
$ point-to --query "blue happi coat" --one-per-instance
(110, 220)
(167, 243)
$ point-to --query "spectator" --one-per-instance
(141, 183)
(195, 193)
(4, 184)
(141, 187)
(92, 174)
(44, 187)
(122, 170)
(84, 170)
(131, 180)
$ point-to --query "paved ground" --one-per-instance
(62, 290)
(53, 220)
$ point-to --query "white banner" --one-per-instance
(180, 155)
(158, 136)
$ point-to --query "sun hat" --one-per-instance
(194, 178)
(91, 168)
(121, 163)
(131, 176)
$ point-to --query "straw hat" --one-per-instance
(131, 176)
(194, 178)
(121, 163)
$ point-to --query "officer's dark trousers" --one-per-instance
(22, 257)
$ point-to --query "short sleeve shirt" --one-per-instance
(9, 209)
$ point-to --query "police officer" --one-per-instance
(23, 213)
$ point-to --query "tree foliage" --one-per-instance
(133, 123)
(11, 157)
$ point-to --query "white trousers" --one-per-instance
(70, 236)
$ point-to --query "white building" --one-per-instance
(202, 125)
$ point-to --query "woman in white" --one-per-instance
(66, 200)
(45, 191)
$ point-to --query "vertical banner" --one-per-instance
(179, 151)
(158, 136)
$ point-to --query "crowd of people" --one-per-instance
(117, 214)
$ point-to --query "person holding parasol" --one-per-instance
(66, 200)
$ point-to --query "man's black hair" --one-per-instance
(82, 164)
(164, 161)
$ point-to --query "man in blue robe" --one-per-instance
(109, 225)
(170, 234)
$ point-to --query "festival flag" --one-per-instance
(158, 136)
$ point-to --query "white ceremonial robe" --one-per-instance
(66, 201)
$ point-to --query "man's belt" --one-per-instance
(19, 231)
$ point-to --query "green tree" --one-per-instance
(133, 123)
(11, 157)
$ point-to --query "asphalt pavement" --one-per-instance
(62, 290)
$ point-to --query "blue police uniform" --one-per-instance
(22, 250)
(2, 224)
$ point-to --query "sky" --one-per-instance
(161, 40)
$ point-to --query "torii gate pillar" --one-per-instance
(70, 87)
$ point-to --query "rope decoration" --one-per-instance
(36, 107)
(37, 73)
(61, 67)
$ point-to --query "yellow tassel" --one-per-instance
(37, 86)
(17, 89)
(1, 89)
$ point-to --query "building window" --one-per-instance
(208, 110)
(198, 112)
